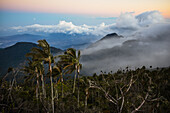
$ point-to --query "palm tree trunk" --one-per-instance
(37, 90)
(78, 98)
(43, 83)
(74, 85)
(51, 79)
(43, 87)
(37, 86)
(56, 94)
(62, 85)
(86, 90)
(56, 91)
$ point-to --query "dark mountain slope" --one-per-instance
(14, 55)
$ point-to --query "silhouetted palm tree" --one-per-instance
(70, 62)
(32, 71)
(47, 57)
(37, 57)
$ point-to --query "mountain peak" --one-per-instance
(112, 35)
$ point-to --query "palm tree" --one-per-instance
(43, 54)
(32, 70)
(70, 62)
(37, 58)
(47, 57)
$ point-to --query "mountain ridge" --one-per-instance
(58, 40)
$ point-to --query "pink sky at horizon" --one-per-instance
(87, 7)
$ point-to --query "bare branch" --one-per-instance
(92, 84)
(141, 103)
(130, 84)
(10, 89)
(5, 105)
(123, 100)
(156, 99)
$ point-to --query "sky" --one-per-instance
(89, 7)
(40, 11)
(93, 13)
(16, 18)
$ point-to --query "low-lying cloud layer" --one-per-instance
(125, 23)
(147, 47)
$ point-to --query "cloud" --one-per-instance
(127, 20)
(154, 32)
(65, 27)
(62, 27)
(146, 43)
(127, 23)
(150, 17)
(148, 47)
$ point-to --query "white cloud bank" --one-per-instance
(126, 23)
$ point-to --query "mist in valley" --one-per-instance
(148, 46)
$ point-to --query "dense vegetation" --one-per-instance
(52, 90)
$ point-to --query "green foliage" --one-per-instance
(154, 82)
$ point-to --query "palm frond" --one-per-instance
(44, 45)
(71, 52)
(68, 65)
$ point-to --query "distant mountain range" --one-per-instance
(58, 40)
(6, 41)
(14, 55)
